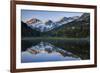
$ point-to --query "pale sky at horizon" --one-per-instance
(46, 15)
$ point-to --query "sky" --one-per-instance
(46, 15)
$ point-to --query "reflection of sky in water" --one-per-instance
(44, 52)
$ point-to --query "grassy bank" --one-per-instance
(55, 38)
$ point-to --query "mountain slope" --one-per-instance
(76, 28)
(27, 31)
(37, 24)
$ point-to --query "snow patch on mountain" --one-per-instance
(37, 24)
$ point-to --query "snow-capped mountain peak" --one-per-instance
(76, 17)
(49, 22)
(66, 20)
(37, 24)
(32, 21)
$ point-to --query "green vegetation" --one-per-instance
(77, 47)
(56, 38)
(74, 36)
(75, 29)
(27, 31)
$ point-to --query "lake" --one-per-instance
(54, 50)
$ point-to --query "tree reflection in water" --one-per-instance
(44, 52)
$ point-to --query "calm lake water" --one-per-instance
(44, 51)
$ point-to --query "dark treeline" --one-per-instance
(78, 28)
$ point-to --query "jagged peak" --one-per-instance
(48, 21)
(32, 21)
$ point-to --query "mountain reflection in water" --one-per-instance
(44, 52)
